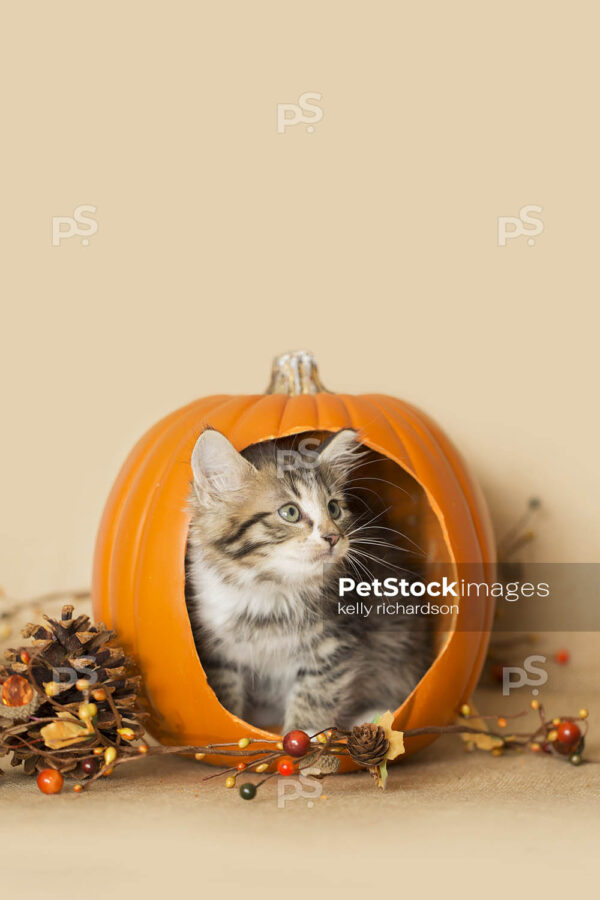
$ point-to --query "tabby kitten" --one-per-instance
(267, 545)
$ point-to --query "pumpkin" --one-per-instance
(139, 567)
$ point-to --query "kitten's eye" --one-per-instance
(334, 509)
(289, 512)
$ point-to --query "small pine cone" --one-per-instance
(367, 745)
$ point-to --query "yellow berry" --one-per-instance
(263, 767)
(243, 743)
(98, 751)
(87, 711)
(230, 781)
(128, 734)
(502, 723)
(52, 688)
(110, 754)
(322, 739)
(108, 772)
(78, 788)
(535, 747)
(199, 756)
(584, 713)
(279, 745)
(552, 735)
(535, 704)
(143, 748)
(465, 710)
(82, 684)
(556, 721)
(99, 695)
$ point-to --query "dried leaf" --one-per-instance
(65, 731)
(481, 741)
(395, 738)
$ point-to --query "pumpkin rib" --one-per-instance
(258, 409)
(368, 409)
(332, 414)
(470, 488)
(112, 513)
(434, 452)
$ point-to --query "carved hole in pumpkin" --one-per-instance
(400, 503)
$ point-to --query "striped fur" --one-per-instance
(262, 591)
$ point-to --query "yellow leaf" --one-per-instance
(395, 738)
(481, 741)
(63, 733)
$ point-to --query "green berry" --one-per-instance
(248, 791)
(575, 759)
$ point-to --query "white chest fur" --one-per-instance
(271, 649)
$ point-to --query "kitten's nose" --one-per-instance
(331, 539)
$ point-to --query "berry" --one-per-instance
(285, 767)
(248, 791)
(498, 672)
(241, 766)
(534, 704)
(575, 759)
(230, 781)
(296, 743)
(562, 657)
(569, 733)
(90, 766)
(50, 781)
(243, 743)
(110, 754)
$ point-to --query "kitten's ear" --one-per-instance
(341, 451)
(217, 466)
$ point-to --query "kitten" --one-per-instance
(267, 545)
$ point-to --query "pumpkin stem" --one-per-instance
(295, 373)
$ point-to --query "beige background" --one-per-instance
(372, 241)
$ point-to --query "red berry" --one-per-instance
(90, 766)
(241, 766)
(562, 657)
(285, 767)
(50, 781)
(498, 672)
(569, 733)
(296, 743)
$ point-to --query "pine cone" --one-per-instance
(367, 745)
(71, 662)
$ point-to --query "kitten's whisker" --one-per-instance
(395, 531)
(383, 562)
(367, 524)
(383, 481)
(385, 544)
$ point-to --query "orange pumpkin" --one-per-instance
(139, 567)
